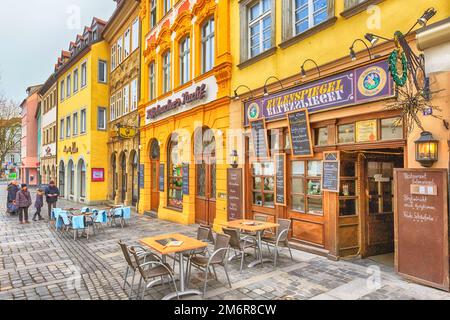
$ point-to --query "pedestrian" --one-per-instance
(51, 196)
(23, 202)
(38, 204)
(12, 189)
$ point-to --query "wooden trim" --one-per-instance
(311, 154)
(255, 156)
(285, 176)
(257, 58)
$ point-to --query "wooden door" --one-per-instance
(379, 205)
(154, 172)
(124, 186)
(205, 201)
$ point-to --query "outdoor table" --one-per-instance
(257, 227)
(189, 244)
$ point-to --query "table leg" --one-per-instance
(259, 259)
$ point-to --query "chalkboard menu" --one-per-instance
(421, 226)
(259, 136)
(161, 177)
(186, 179)
(234, 187)
(300, 133)
(330, 176)
(141, 176)
(280, 179)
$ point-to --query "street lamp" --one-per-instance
(234, 159)
(426, 149)
(302, 70)
(352, 51)
(266, 92)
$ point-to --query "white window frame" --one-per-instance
(119, 51)
(76, 78)
(166, 71)
(127, 43)
(68, 127)
(185, 60)
(208, 56)
(83, 121)
(311, 13)
(75, 124)
(166, 6)
(104, 118)
(68, 85)
(105, 71)
(153, 13)
(126, 99)
(258, 21)
(112, 111)
(62, 90)
(134, 94)
(62, 131)
(151, 81)
(113, 57)
(84, 74)
(135, 35)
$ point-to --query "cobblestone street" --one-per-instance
(37, 263)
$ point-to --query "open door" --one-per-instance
(154, 169)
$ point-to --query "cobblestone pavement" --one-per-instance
(37, 263)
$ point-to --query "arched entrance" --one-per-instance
(71, 178)
(154, 169)
(123, 172)
(62, 176)
(115, 176)
(82, 178)
(205, 160)
(134, 176)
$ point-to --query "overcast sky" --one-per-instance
(33, 33)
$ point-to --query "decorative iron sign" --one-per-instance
(357, 86)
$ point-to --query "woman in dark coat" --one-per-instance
(23, 202)
(38, 204)
(12, 192)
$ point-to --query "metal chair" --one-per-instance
(280, 240)
(218, 258)
(157, 269)
(204, 234)
(239, 244)
(210, 237)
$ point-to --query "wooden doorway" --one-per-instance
(124, 184)
(154, 169)
(205, 160)
(378, 202)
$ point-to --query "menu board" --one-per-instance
(300, 133)
(259, 138)
(330, 176)
(186, 179)
(421, 226)
(234, 186)
(141, 176)
(280, 179)
(161, 177)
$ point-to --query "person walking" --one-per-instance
(23, 202)
(51, 196)
(38, 204)
(12, 189)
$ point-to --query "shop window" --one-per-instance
(306, 187)
(348, 192)
(391, 129)
(321, 136)
(346, 133)
(263, 175)
(175, 179)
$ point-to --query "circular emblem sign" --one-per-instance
(253, 111)
(372, 81)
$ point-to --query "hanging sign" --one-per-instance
(259, 138)
(280, 179)
(185, 173)
(127, 132)
(300, 133)
(161, 177)
(331, 172)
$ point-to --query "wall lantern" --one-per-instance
(234, 159)
(303, 71)
(426, 149)
(266, 91)
(236, 95)
(352, 50)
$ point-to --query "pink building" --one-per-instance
(29, 150)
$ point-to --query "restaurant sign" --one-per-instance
(357, 86)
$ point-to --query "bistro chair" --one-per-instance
(85, 210)
(210, 237)
(239, 244)
(78, 223)
(280, 240)
(218, 258)
(99, 219)
(203, 234)
(132, 266)
(152, 268)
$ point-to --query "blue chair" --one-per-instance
(63, 221)
(85, 210)
(79, 223)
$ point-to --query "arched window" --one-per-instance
(175, 174)
(71, 171)
(62, 175)
(82, 177)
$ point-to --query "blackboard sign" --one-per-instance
(300, 133)
(280, 179)
(330, 176)
(234, 189)
(141, 176)
(259, 138)
(161, 177)
(186, 179)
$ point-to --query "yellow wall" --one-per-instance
(92, 146)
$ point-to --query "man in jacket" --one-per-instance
(51, 196)
(23, 202)
(12, 189)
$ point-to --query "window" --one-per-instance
(75, 81)
(71, 178)
(127, 43)
(134, 95)
(126, 99)
(62, 87)
(152, 14)
(308, 13)
(113, 57)
(112, 111)
(95, 35)
(61, 129)
(119, 50)
(391, 129)
(208, 46)
(151, 81)
(259, 27)
(348, 192)
(135, 35)
(351, 3)
(83, 121)
(321, 136)
(68, 84)
(83, 74)
(166, 6)
(306, 187)
(119, 104)
(82, 170)
(166, 72)
(101, 120)
(346, 133)
(175, 175)
(185, 60)
(75, 124)
(68, 127)
(263, 187)
(102, 71)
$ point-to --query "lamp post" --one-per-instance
(426, 149)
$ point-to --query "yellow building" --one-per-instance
(123, 36)
(184, 109)
(82, 75)
(289, 56)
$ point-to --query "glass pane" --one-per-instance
(348, 207)
(314, 168)
(373, 205)
(268, 169)
(346, 133)
(315, 205)
(373, 169)
(391, 129)
(387, 169)
(257, 199)
(321, 136)
(257, 171)
(387, 203)
(213, 180)
(298, 168)
(373, 187)
(269, 200)
(298, 203)
(314, 187)
(257, 183)
(298, 185)
(269, 184)
(348, 169)
(348, 188)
